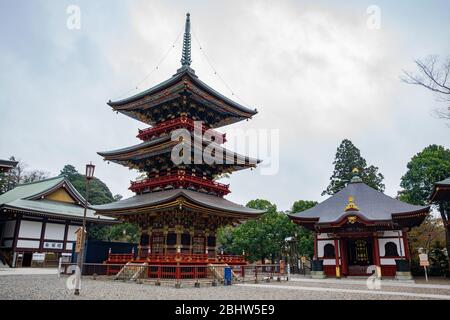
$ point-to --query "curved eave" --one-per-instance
(63, 184)
(118, 105)
(440, 193)
(41, 213)
(173, 201)
(123, 155)
(410, 219)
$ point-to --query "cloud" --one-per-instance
(313, 70)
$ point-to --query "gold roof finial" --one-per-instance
(351, 206)
(355, 170)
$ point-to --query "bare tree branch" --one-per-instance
(434, 77)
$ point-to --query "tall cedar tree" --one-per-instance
(347, 158)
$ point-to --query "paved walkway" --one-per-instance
(432, 284)
(49, 286)
(27, 271)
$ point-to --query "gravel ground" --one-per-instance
(50, 287)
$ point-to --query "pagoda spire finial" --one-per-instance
(186, 54)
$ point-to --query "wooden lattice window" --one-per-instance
(198, 245)
(158, 243)
(362, 254)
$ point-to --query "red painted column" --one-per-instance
(405, 244)
(376, 253)
(343, 256)
(315, 246)
(336, 255)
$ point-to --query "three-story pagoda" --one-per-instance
(180, 206)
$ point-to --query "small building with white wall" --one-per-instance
(38, 222)
(360, 230)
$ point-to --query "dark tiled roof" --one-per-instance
(373, 205)
(120, 154)
(175, 78)
(155, 198)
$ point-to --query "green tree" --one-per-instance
(348, 157)
(425, 168)
(302, 205)
(262, 238)
(99, 193)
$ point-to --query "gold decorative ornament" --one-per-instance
(351, 219)
(351, 206)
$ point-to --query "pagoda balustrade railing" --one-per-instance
(177, 257)
(177, 123)
(177, 180)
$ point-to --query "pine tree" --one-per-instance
(348, 157)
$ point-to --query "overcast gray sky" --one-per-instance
(314, 70)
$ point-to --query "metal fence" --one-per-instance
(178, 274)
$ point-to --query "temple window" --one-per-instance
(158, 243)
(186, 239)
(390, 249)
(211, 241)
(328, 251)
(145, 239)
(171, 239)
(198, 245)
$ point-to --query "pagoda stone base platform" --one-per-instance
(403, 275)
(318, 275)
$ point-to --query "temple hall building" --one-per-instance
(38, 221)
(179, 206)
(360, 227)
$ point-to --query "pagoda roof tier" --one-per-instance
(183, 88)
(6, 165)
(177, 198)
(358, 202)
(441, 191)
(162, 146)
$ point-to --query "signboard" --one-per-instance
(424, 260)
(79, 239)
(40, 257)
(53, 245)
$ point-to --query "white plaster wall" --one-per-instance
(69, 246)
(392, 233)
(30, 229)
(321, 244)
(9, 229)
(387, 262)
(54, 231)
(331, 262)
(71, 236)
(28, 244)
(322, 236)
